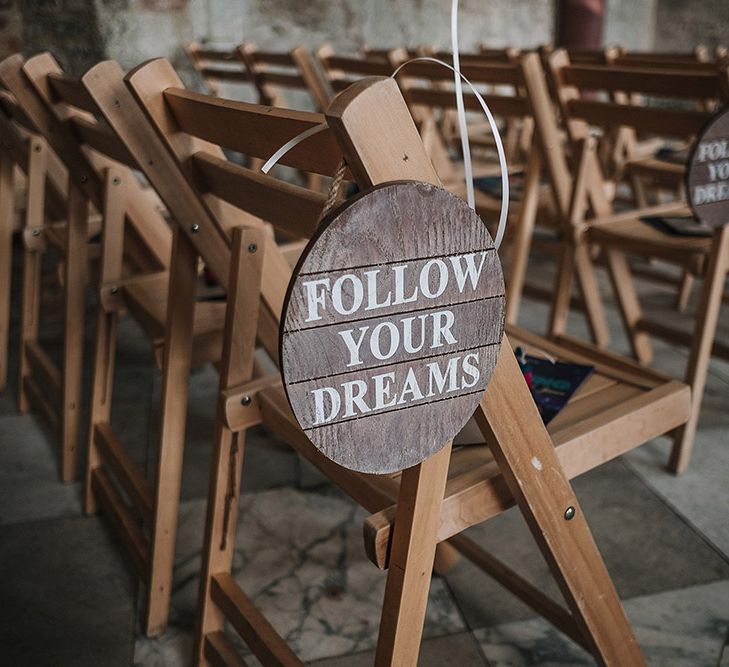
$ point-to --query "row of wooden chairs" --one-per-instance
(107, 124)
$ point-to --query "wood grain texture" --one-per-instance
(707, 178)
(392, 326)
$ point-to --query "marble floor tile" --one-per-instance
(299, 556)
(647, 547)
(679, 628)
(30, 486)
(67, 595)
(459, 650)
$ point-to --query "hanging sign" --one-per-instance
(392, 326)
(707, 178)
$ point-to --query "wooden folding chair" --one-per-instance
(624, 156)
(217, 66)
(21, 179)
(623, 234)
(37, 88)
(371, 127)
(183, 333)
(275, 71)
(343, 70)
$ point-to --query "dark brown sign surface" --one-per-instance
(392, 326)
(708, 173)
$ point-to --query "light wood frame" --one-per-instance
(359, 120)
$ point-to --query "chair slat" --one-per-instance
(224, 55)
(359, 66)
(220, 74)
(500, 105)
(103, 140)
(217, 120)
(668, 83)
(668, 122)
(282, 79)
(71, 91)
(281, 59)
(494, 74)
(287, 207)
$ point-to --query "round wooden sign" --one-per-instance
(392, 326)
(707, 177)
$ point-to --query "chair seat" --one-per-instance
(147, 302)
(621, 406)
(662, 172)
(637, 237)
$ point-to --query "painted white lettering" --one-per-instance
(400, 297)
(410, 388)
(442, 329)
(356, 296)
(315, 297)
(354, 391)
(353, 345)
(407, 334)
(375, 345)
(372, 303)
(435, 376)
(320, 410)
(442, 278)
(383, 388)
(472, 273)
(471, 369)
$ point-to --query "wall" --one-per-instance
(682, 24)
(80, 32)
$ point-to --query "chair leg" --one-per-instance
(7, 213)
(173, 410)
(594, 308)
(411, 560)
(560, 307)
(703, 341)
(110, 269)
(684, 292)
(73, 343)
(628, 305)
(32, 254)
(523, 239)
(103, 381)
(527, 459)
(227, 462)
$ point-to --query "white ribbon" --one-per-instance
(467, 165)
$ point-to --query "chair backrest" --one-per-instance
(63, 113)
(428, 90)
(505, 54)
(217, 66)
(429, 85)
(670, 118)
(341, 71)
(383, 55)
(180, 148)
(272, 71)
(17, 138)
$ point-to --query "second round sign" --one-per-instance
(392, 326)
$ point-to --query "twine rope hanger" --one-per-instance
(458, 79)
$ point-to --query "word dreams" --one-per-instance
(716, 155)
(407, 335)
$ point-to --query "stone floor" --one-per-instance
(69, 596)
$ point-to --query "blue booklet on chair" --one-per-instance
(552, 383)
